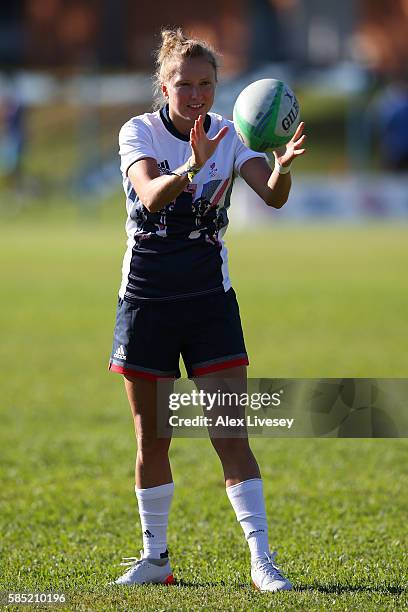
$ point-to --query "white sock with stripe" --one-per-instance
(154, 505)
(248, 502)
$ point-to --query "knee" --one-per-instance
(149, 446)
(230, 447)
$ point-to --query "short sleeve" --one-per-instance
(135, 142)
(242, 154)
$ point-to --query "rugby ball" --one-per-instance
(266, 114)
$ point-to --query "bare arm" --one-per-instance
(274, 187)
(156, 191)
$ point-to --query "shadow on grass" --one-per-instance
(340, 588)
(337, 589)
(221, 583)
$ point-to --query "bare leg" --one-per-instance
(235, 454)
(152, 461)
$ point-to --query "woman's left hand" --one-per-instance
(285, 155)
(202, 147)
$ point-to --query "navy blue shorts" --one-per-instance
(150, 337)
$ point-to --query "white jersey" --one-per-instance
(178, 252)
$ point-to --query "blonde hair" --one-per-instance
(175, 47)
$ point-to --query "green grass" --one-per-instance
(315, 302)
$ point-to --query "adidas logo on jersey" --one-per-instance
(164, 167)
(120, 353)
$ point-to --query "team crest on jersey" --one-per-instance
(164, 167)
(213, 170)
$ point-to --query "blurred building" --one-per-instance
(12, 31)
(111, 34)
(65, 34)
(382, 36)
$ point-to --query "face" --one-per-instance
(190, 92)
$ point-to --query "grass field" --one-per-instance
(315, 302)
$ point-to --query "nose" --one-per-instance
(194, 92)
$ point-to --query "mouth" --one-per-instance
(196, 106)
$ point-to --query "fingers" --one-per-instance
(220, 135)
(299, 131)
(193, 136)
(300, 141)
(279, 152)
(293, 149)
(200, 124)
(197, 131)
(202, 146)
(196, 140)
(196, 126)
(194, 149)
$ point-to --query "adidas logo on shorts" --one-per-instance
(120, 353)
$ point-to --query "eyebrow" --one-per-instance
(186, 80)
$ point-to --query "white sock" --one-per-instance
(248, 502)
(154, 505)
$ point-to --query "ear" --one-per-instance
(164, 90)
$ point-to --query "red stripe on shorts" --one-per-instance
(221, 365)
(138, 373)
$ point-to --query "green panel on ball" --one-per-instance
(267, 124)
(262, 137)
(247, 130)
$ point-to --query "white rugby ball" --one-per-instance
(266, 114)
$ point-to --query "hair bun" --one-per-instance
(171, 39)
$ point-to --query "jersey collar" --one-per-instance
(165, 117)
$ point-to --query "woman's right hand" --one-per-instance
(202, 147)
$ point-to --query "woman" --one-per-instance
(176, 298)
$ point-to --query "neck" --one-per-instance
(181, 131)
(182, 125)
